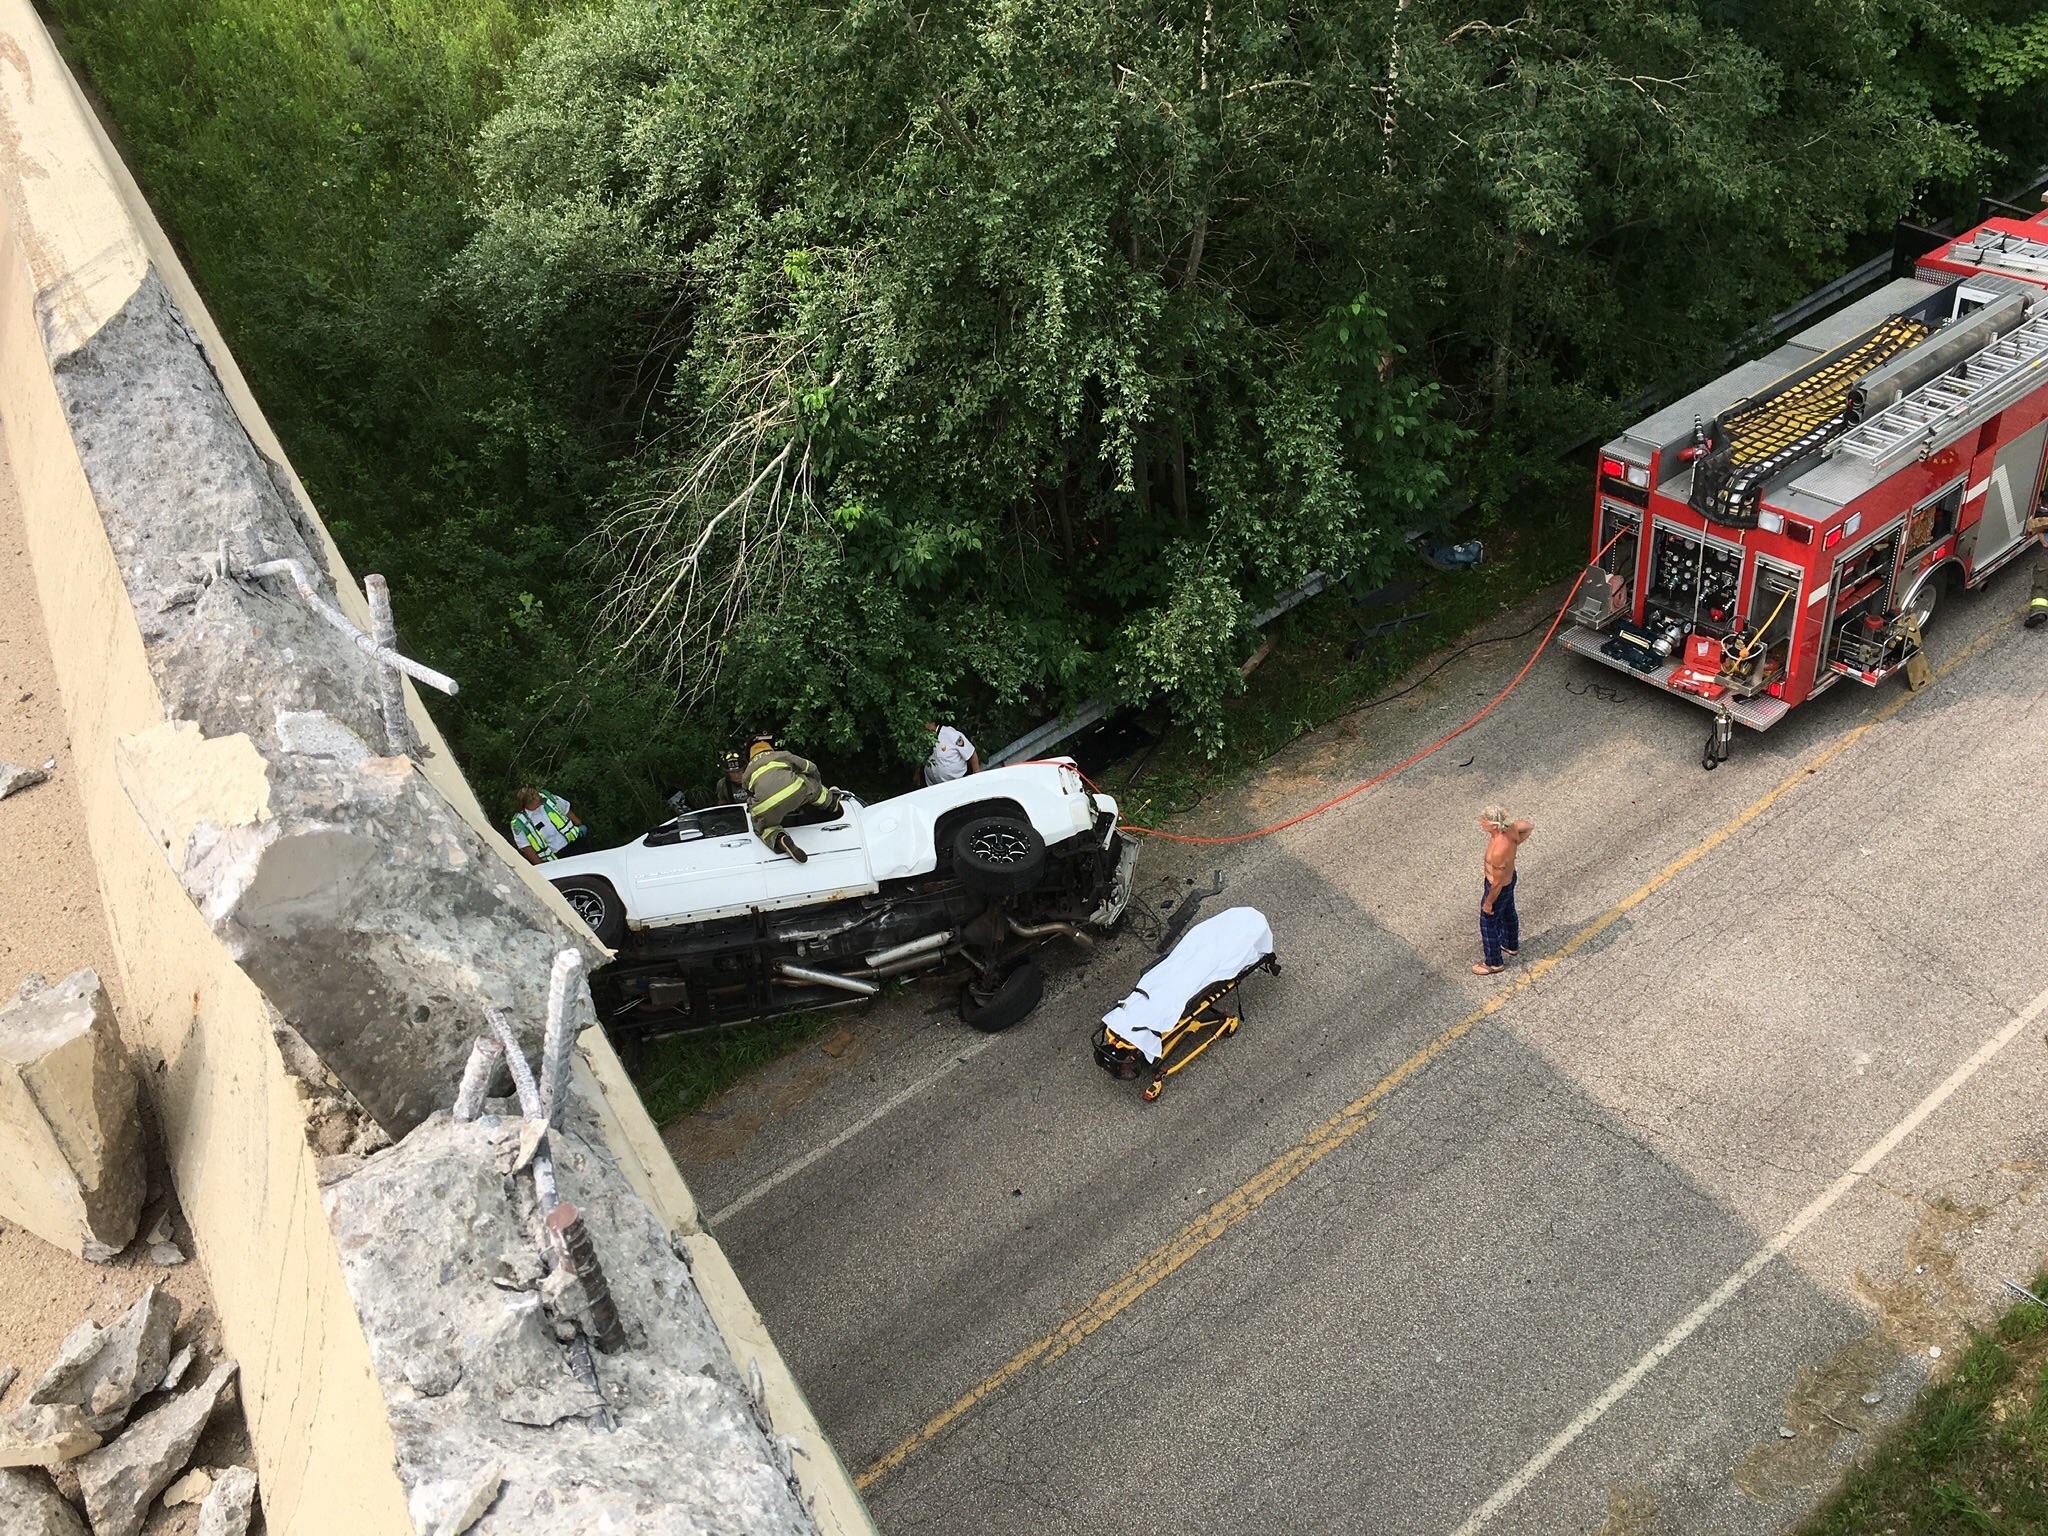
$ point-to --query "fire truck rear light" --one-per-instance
(1831, 538)
(1614, 468)
(1638, 476)
(1771, 522)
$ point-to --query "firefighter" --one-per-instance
(783, 791)
(545, 826)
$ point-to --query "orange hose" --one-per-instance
(1440, 742)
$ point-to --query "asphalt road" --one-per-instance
(1567, 1265)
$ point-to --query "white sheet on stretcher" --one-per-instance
(1215, 949)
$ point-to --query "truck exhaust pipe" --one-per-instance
(882, 958)
(813, 978)
(1051, 930)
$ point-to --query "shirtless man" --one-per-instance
(1500, 931)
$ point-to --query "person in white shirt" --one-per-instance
(953, 756)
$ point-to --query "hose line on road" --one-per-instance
(1437, 745)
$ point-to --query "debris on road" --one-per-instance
(14, 778)
(70, 1135)
(231, 1504)
(189, 1489)
(106, 1370)
(39, 1436)
(29, 1506)
(122, 1477)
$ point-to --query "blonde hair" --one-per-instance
(1497, 817)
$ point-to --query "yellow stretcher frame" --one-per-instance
(1202, 1023)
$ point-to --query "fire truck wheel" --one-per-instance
(1923, 603)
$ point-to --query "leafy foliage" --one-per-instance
(833, 367)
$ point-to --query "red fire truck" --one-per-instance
(1795, 522)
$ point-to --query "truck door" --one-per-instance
(2009, 498)
(838, 864)
(707, 861)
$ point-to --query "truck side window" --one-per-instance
(712, 821)
(723, 821)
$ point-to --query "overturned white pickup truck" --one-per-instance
(712, 927)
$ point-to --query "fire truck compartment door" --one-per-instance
(2013, 476)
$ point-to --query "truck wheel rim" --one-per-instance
(587, 905)
(999, 845)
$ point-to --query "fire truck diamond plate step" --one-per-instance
(1759, 714)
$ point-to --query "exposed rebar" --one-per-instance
(579, 1257)
(559, 1039)
(484, 1055)
(529, 1106)
(399, 739)
(334, 616)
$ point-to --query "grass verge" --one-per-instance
(1972, 1453)
(676, 1076)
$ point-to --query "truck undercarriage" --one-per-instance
(693, 978)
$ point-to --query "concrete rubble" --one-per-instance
(339, 862)
(230, 1505)
(71, 1155)
(104, 1370)
(121, 1478)
(42, 1436)
(192, 1488)
(15, 778)
(438, 1240)
(68, 1449)
(29, 1506)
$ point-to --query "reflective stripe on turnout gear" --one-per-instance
(779, 783)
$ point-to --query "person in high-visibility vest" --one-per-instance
(783, 790)
(544, 826)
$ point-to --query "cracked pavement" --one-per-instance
(1389, 1338)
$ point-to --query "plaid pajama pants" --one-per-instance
(1499, 929)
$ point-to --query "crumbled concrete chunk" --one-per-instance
(230, 1506)
(105, 1370)
(452, 1507)
(15, 778)
(166, 1255)
(120, 1479)
(70, 1138)
(31, 1506)
(7, 1375)
(189, 1489)
(41, 1435)
(174, 1373)
(427, 1233)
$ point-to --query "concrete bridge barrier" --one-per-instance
(311, 924)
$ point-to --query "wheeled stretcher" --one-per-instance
(1186, 1002)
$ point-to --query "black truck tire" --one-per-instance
(998, 856)
(598, 905)
(1013, 999)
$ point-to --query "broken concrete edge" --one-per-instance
(601, 1078)
(79, 241)
(101, 240)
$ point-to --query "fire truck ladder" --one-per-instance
(2016, 253)
(1944, 408)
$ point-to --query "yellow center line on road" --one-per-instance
(1355, 1116)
